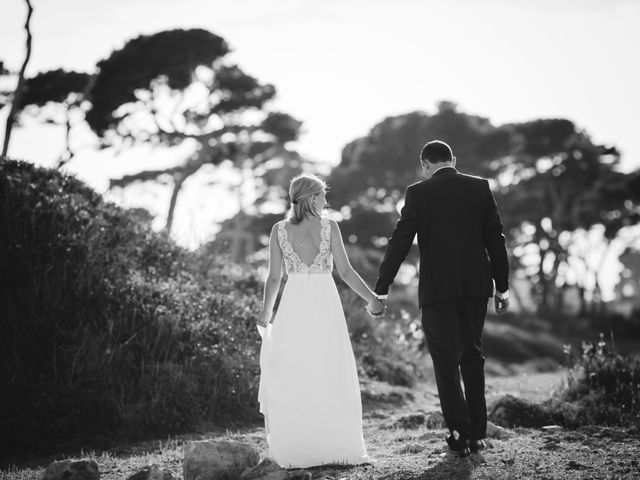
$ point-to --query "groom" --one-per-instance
(462, 254)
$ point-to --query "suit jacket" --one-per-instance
(462, 248)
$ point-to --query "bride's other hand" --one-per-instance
(263, 318)
(272, 283)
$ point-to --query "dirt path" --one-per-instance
(418, 453)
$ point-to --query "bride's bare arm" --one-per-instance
(272, 283)
(346, 271)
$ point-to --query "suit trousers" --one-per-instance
(453, 329)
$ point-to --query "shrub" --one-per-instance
(106, 327)
(603, 388)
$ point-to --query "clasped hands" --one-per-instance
(376, 307)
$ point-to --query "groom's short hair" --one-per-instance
(436, 151)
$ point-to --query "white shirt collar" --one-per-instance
(438, 169)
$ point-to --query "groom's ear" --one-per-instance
(453, 161)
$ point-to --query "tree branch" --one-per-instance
(145, 176)
(18, 92)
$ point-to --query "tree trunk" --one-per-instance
(543, 306)
(68, 154)
(583, 301)
(557, 291)
(174, 198)
(179, 180)
(18, 91)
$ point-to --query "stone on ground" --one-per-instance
(494, 431)
(217, 460)
(510, 411)
(152, 472)
(267, 469)
(69, 470)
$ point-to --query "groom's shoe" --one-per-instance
(458, 445)
(477, 445)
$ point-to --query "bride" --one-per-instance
(309, 392)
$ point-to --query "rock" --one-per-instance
(510, 412)
(68, 470)
(152, 472)
(267, 469)
(411, 448)
(522, 431)
(435, 420)
(552, 428)
(410, 421)
(494, 431)
(551, 446)
(217, 460)
(573, 465)
(376, 414)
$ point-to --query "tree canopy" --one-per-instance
(387, 158)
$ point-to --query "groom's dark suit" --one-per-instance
(462, 254)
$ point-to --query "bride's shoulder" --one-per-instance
(277, 226)
(333, 223)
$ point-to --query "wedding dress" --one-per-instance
(309, 391)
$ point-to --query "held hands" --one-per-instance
(501, 304)
(376, 308)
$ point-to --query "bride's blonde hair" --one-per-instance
(302, 190)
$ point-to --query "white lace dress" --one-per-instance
(309, 392)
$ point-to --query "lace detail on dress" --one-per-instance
(323, 263)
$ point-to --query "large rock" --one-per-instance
(69, 470)
(152, 472)
(495, 431)
(217, 460)
(510, 411)
(267, 469)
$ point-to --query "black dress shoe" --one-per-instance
(458, 445)
(476, 445)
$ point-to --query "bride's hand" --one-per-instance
(263, 318)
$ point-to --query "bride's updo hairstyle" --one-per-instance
(302, 191)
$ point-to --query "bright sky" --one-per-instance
(343, 65)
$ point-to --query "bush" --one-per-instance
(603, 388)
(107, 328)
(510, 411)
